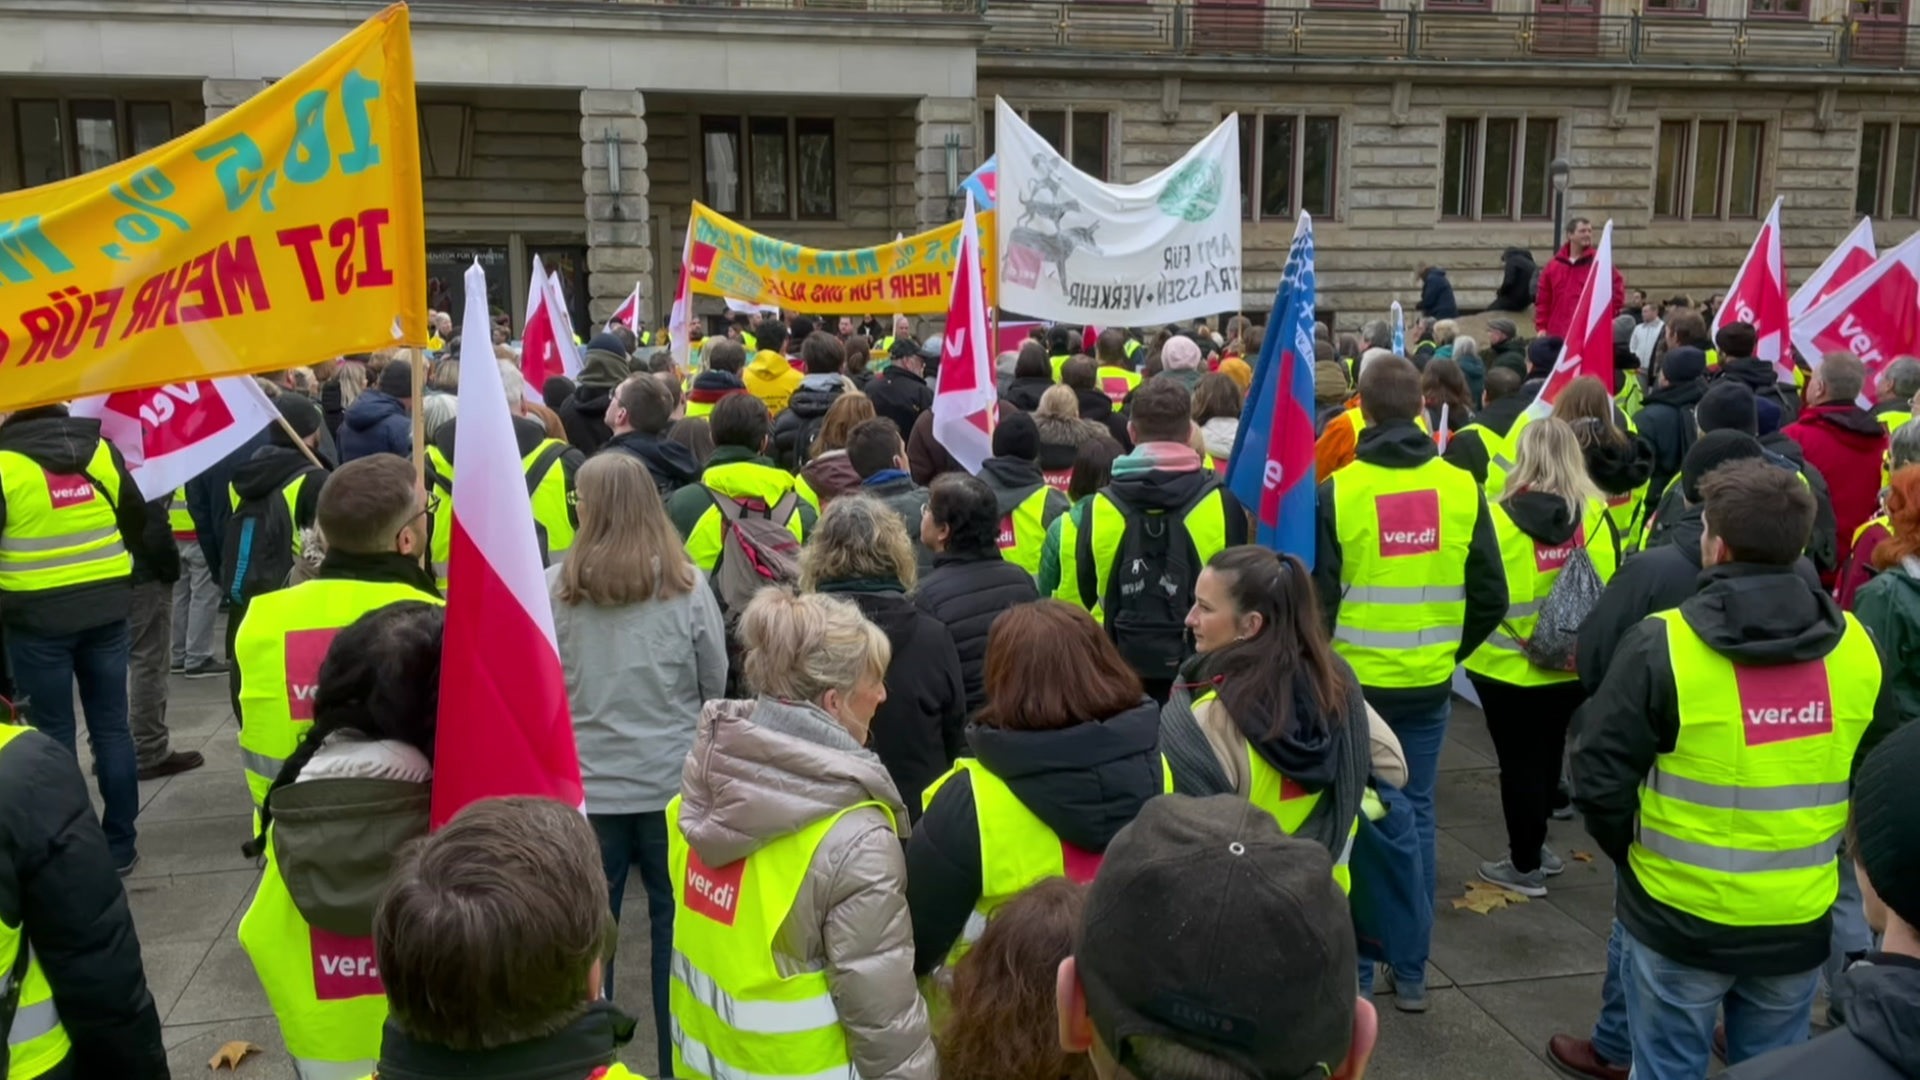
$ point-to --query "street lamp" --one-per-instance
(1558, 171)
(952, 148)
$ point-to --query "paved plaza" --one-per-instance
(1502, 983)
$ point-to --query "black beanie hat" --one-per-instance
(1016, 436)
(1886, 821)
(1714, 449)
(298, 411)
(1727, 406)
(1542, 354)
(1683, 364)
(396, 379)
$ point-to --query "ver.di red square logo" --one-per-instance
(65, 491)
(1784, 701)
(1409, 522)
(1006, 532)
(713, 893)
(343, 967)
(1551, 557)
(305, 650)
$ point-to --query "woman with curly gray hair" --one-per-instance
(859, 550)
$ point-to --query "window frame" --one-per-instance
(1251, 182)
(1803, 15)
(1699, 10)
(65, 120)
(1516, 169)
(740, 126)
(1109, 153)
(1690, 167)
(1887, 173)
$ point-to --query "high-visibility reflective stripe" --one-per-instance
(315, 1069)
(1523, 611)
(1399, 639)
(701, 1060)
(976, 925)
(23, 563)
(1739, 860)
(33, 1021)
(255, 762)
(754, 1017)
(54, 543)
(440, 570)
(1346, 853)
(1500, 639)
(1726, 797)
(1404, 594)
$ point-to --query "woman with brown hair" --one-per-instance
(1217, 403)
(1618, 462)
(830, 474)
(1066, 752)
(1444, 385)
(1000, 1022)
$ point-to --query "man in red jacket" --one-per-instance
(1843, 441)
(1565, 276)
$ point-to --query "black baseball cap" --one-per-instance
(1209, 927)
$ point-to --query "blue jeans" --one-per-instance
(1421, 733)
(1671, 1009)
(639, 841)
(1610, 1039)
(44, 672)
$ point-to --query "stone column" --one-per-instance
(934, 119)
(221, 95)
(618, 253)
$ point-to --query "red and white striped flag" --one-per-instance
(171, 434)
(963, 405)
(546, 347)
(1758, 298)
(1588, 349)
(628, 314)
(1846, 262)
(505, 727)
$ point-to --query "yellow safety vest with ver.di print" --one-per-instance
(1023, 530)
(1740, 822)
(735, 1016)
(1531, 569)
(60, 530)
(278, 650)
(36, 1042)
(1404, 535)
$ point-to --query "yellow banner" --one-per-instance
(283, 233)
(908, 277)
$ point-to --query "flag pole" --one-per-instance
(417, 360)
(299, 442)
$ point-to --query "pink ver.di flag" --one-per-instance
(1845, 263)
(505, 727)
(173, 433)
(628, 313)
(1589, 346)
(1758, 297)
(1875, 316)
(963, 404)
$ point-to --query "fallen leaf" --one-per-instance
(231, 1054)
(1583, 856)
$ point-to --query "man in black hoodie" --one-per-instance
(639, 415)
(797, 425)
(71, 520)
(1408, 570)
(900, 393)
(1712, 767)
(1666, 420)
(1026, 505)
(1737, 342)
(584, 415)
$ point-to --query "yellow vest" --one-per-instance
(278, 650)
(741, 481)
(1058, 362)
(1116, 383)
(289, 494)
(1359, 421)
(1882, 520)
(1624, 511)
(1630, 398)
(36, 1042)
(1403, 536)
(60, 530)
(1740, 822)
(552, 504)
(1499, 457)
(1016, 849)
(734, 1014)
(1892, 421)
(179, 520)
(1024, 531)
(1532, 568)
(1205, 525)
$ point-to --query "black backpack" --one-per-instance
(258, 555)
(1150, 587)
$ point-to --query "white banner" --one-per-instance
(171, 434)
(1076, 249)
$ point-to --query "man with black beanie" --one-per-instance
(584, 415)
(1666, 420)
(1737, 343)
(1879, 995)
(1027, 506)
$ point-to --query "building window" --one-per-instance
(1079, 135)
(785, 164)
(1287, 162)
(1777, 9)
(1889, 163)
(1708, 169)
(55, 139)
(1496, 167)
(1459, 5)
(1675, 7)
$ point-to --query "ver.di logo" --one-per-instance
(1194, 192)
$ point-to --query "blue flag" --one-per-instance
(1271, 470)
(1399, 330)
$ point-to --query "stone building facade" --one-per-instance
(1416, 133)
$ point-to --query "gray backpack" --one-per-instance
(1573, 597)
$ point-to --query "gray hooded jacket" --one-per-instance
(758, 771)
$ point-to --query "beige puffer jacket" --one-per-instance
(760, 770)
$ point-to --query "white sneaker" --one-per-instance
(1551, 864)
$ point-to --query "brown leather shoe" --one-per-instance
(173, 764)
(1575, 1057)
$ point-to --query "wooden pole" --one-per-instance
(417, 358)
(297, 440)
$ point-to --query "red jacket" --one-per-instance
(1559, 292)
(1846, 444)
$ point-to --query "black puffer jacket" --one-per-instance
(1881, 1041)
(671, 464)
(1084, 782)
(1024, 394)
(56, 874)
(966, 593)
(799, 422)
(1666, 422)
(1764, 381)
(901, 396)
(1752, 615)
(921, 728)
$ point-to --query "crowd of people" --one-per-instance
(914, 762)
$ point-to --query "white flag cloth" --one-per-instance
(171, 434)
(964, 402)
